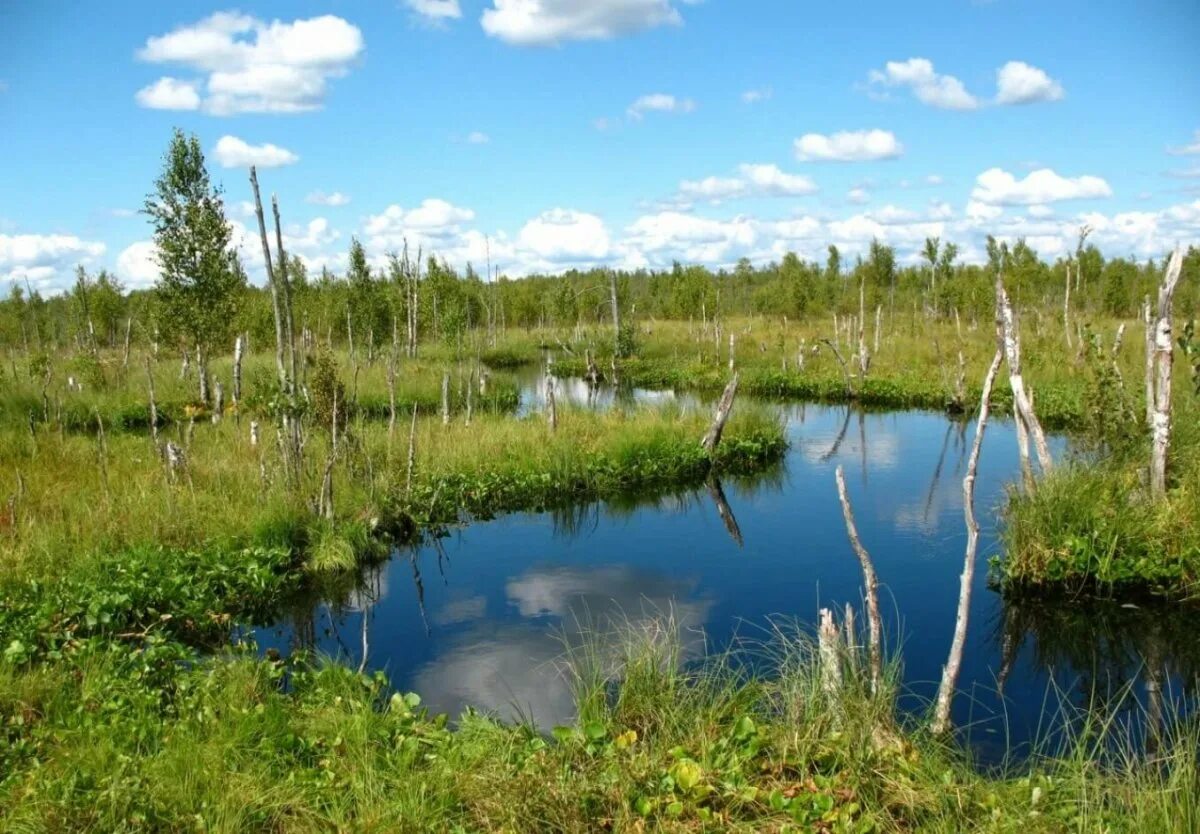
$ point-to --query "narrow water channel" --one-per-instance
(483, 617)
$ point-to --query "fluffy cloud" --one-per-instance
(1192, 147)
(137, 265)
(550, 22)
(478, 137)
(334, 199)
(435, 11)
(660, 103)
(252, 66)
(999, 188)
(754, 180)
(929, 86)
(658, 239)
(848, 146)
(45, 261)
(169, 94)
(858, 195)
(755, 96)
(1019, 83)
(565, 236)
(232, 152)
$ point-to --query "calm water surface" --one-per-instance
(482, 617)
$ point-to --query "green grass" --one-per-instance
(238, 744)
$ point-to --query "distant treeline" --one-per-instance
(369, 305)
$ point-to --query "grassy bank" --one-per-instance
(1093, 526)
(125, 738)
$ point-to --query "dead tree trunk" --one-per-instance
(712, 438)
(945, 695)
(870, 586)
(1011, 342)
(238, 349)
(445, 398)
(276, 300)
(391, 383)
(412, 452)
(1148, 320)
(1067, 306)
(153, 405)
(829, 652)
(1160, 427)
(616, 312)
(551, 404)
(128, 334)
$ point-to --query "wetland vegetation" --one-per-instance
(182, 465)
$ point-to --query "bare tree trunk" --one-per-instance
(845, 370)
(829, 652)
(551, 404)
(286, 293)
(712, 438)
(412, 452)
(202, 373)
(945, 695)
(1067, 306)
(470, 395)
(445, 398)
(870, 586)
(153, 405)
(864, 357)
(1012, 350)
(616, 312)
(276, 301)
(732, 342)
(1163, 359)
(391, 383)
(238, 350)
(128, 334)
(1148, 320)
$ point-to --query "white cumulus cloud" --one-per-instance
(848, 146)
(251, 66)
(46, 261)
(565, 236)
(137, 265)
(753, 180)
(550, 22)
(929, 86)
(169, 94)
(998, 187)
(1019, 83)
(232, 152)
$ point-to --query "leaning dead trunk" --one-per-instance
(1160, 426)
(870, 586)
(1011, 342)
(712, 438)
(945, 694)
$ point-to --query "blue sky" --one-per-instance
(557, 133)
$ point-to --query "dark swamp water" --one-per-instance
(482, 617)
